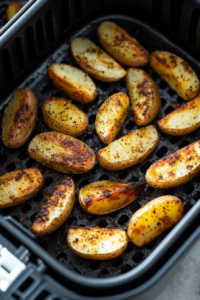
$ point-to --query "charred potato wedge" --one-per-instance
(57, 209)
(129, 150)
(61, 152)
(103, 197)
(183, 120)
(12, 10)
(111, 116)
(121, 45)
(153, 218)
(175, 169)
(62, 116)
(95, 61)
(73, 82)
(96, 242)
(144, 96)
(19, 186)
(19, 118)
(176, 72)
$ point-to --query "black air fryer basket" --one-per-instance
(37, 37)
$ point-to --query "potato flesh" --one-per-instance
(111, 116)
(175, 169)
(62, 116)
(176, 72)
(102, 197)
(12, 10)
(95, 61)
(144, 96)
(183, 120)
(73, 82)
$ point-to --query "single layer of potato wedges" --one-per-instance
(12, 10)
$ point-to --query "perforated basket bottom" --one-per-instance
(11, 160)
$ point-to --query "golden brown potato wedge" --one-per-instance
(19, 118)
(183, 120)
(153, 218)
(103, 197)
(176, 72)
(61, 152)
(62, 116)
(175, 169)
(144, 95)
(129, 150)
(57, 209)
(111, 116)
(96, 242)
(121, 45)
(19, 186)
(12, 9)
(95, 61)
(73, 82)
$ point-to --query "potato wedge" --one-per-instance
(103, 197)
(61, 152)
(19, 186)
(121, 45)
(95, 61)
(176, 72)
(73, 82)
(12, 10)
(19, 118)
(129, 150)
(56, 210)
(144, 95)
(153, 218)
(96, 242)
(183, 120)
(175, 169)
(111, 116)
(62, 116)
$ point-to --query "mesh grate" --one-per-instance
(11, 160)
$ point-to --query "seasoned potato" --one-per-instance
(144, 96)
(19, 118)
(96, 242)
(62, 116)
(121, 45)
(61, 152)
(175, 169)
(129, 150)
(103, 197)
(57, 209)
(183, 120)
(153, 218)
(176, 72)
(19, 186)
(111, 116)
(95, 61)
(73, 82)
(12, 9)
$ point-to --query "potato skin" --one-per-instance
(61, 152)
(19, 186)
(103, 197)
(19, 118)
(95, 61)
(154, 218)
(183, 120)
(12, 9)
(111, 116)
(56, 210)
(129, 150)
(73, 82)
(144, 95)
(62, 116)
(176, 72)
(175, 169)
(97, 243)
(121, 45)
